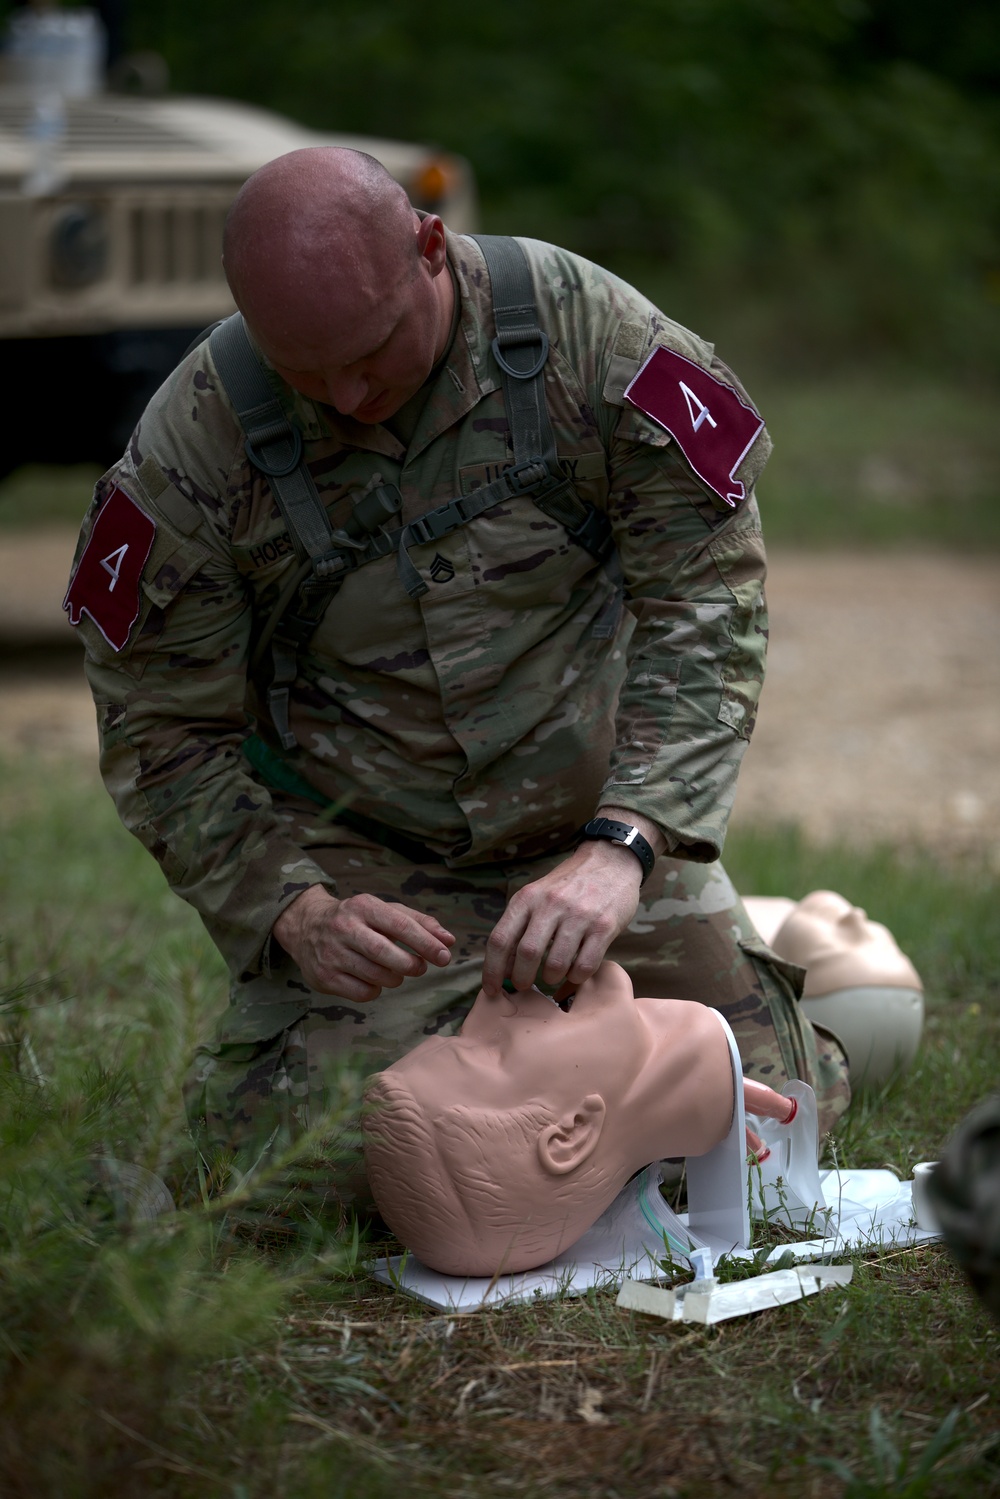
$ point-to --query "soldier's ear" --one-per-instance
(564, 1146)
(431, 242)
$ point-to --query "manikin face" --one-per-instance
(525, 1045)
(840, 948)
(370, 347)
(659, 1070)
(830, 923)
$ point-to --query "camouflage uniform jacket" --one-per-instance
(487, 719)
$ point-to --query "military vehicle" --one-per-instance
(111, 212)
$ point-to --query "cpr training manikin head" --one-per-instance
(840, 948)
(495, 1149)
(859, 985)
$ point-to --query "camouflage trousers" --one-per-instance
(270, 1066)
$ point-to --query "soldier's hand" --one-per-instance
(564, 922)
(357, 947)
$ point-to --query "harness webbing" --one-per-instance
(326, 555)
(273, 444)
(521, 349)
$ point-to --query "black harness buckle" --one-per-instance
(422, 529)
(593, 534)
(530, 473)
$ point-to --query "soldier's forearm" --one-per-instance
(686, 707)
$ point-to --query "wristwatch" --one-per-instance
(623, 833)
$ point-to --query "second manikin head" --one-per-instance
(859, 986)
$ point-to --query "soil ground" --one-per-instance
(880, 720)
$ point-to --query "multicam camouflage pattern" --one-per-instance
(480, 718)
(272, 1061)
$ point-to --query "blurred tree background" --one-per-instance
(820, 176)
(812, 184)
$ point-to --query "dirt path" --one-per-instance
(880, 718)
(881, 715)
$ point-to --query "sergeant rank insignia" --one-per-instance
(711, 425)
(441, 570)
(105, 585)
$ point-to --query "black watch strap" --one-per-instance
(623, 833)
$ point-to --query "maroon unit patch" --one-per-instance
(106, 583)
(713, 428)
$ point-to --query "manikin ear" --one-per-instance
(564, 1146)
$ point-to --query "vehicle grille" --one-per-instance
(174, 243)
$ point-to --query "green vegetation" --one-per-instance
(36, 496)
(833, 167)
(880, 460)
(221, 1351)
(827, 173)
(813, 186)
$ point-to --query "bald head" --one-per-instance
(329, 263)
(310, 219)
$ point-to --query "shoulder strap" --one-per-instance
(274, 446)
(521, 350)
(273, 443)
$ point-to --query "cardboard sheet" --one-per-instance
(868, 1209)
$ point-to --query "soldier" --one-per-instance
(504, 740)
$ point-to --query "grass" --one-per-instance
(40, 496)
(877, 459)
(198, 1356)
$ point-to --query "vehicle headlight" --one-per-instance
(432, 184)
(79, 245)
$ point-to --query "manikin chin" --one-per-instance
(494, 1150)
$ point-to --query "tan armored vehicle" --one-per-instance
(111, 211)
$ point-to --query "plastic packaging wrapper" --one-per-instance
(693, 1303)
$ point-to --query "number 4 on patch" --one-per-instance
(112, 565)
(697, 410)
